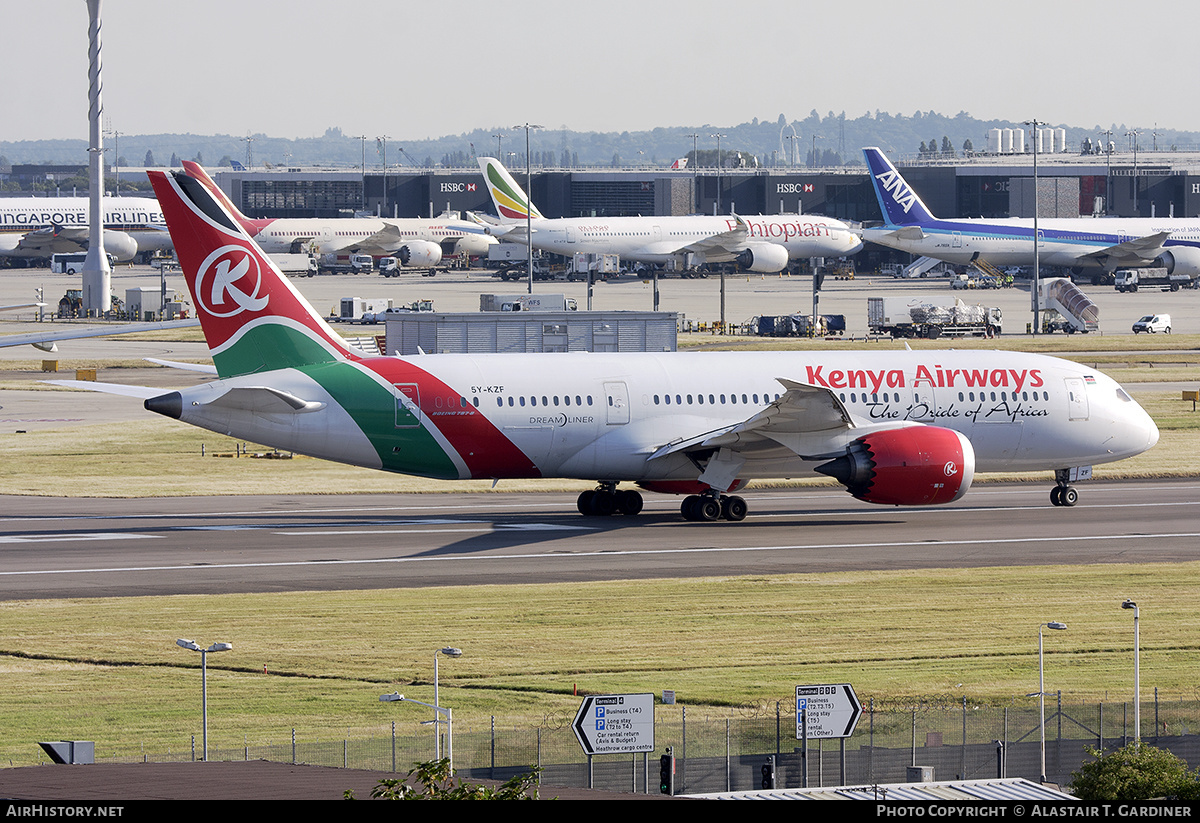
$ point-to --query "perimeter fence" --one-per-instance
(951, 741)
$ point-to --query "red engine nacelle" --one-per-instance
(419, 253)
(764, 257)
(915, 466)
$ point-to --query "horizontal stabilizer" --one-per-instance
(143, 392)
(265, 400)
(203, 368)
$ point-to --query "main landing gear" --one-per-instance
(605, 500)
(710, 506)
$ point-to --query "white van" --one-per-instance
(1152, 323)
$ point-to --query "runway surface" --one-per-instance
(118, 548)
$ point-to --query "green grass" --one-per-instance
(108, 669)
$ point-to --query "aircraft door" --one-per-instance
(1077, 400)
(408, 405)
(956, 240)
(616, 399)
(571, 234)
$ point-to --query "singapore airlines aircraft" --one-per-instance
(895, 427)
(42, 226)
(1079, 242)
(761, 244)
(413, 240)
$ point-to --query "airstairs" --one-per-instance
(1059, 294)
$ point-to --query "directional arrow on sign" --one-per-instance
(832, 710)
(615, 723)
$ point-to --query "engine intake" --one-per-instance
(764, 257)
(419, 253)
(915, 466)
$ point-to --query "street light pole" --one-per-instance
(449, 651)
(718, 136)
(1036, 252)
(215, 647)
(1055, 625)
(529, 195)
(1137, 673)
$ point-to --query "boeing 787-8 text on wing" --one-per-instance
(896, 427)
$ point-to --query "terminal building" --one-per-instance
(1154, 184)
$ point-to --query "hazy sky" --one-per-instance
(412, 69)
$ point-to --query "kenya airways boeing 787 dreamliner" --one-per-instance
(895, 427)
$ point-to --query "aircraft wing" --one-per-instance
(802, 409)
(48, 241)
(1139, 248)
(41, 339)
(727, 242)
(806, 420)
(385, 241)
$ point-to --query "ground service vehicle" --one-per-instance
(931, 317)
(1129, 280)
(1152, 323)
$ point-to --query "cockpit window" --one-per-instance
(1123, 396)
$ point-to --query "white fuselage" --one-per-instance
(603, 416)
(1072, 242)
(344, 235)
(659, 239)
(137, 220)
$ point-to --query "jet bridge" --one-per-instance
(1060, 295)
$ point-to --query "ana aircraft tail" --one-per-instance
(510, 200)
(899, 203)
(252, 317)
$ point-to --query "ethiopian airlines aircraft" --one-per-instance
(762, 244)
(1076, 242)
(896, 427)
(43, 226)
(413, 240)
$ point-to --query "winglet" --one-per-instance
(899, 203)
(510, 200)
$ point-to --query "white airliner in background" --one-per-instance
(895, 427)
(415, 241)
(761, 244)
(1076, 242)
(43, 226)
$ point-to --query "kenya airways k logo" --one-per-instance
(229, 281)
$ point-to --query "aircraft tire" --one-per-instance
(708, 510)
(629, 502)
(1069, 496)
(603, 504)
(734, 509)
(688, 506)
(584, 503)
(1056, 495)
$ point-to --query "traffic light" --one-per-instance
(768, 773)
(666, 772)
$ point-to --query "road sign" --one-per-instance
(832, 710)
(615, 723)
